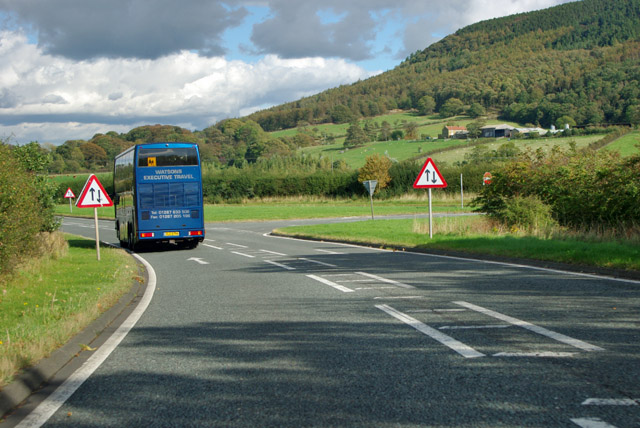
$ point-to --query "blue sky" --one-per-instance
(72, 68)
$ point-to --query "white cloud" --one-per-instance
(42, 92)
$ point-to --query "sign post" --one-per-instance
(429, 178)
(69, 195)
(93, 196)
(370, 185)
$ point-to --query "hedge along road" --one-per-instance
(254, 330)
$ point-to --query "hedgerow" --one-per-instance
(583, 188)
(20, 212)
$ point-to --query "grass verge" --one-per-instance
(476, 235)
(51, 299)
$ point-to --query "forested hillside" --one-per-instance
(578, 63)
(579, 60)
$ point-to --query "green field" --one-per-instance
(627, 145)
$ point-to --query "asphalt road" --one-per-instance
(250, 330)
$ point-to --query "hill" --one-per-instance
(579, 60)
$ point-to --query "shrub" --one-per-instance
(527, 213)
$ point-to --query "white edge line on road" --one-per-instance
(237, 245)
(591, 423)
(331, 284)
(388, 281)
(51, 404)
(532, 327)
(459, 347)
(280, 265)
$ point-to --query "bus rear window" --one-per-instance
(168, 156)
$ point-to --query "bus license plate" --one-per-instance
(172, 234)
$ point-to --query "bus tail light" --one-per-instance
(195, 233)
(147, 235)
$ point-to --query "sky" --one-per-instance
(70, 69)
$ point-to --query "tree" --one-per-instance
(341, 114)
(426, 105)
(451, 107)
(411, 131)
(385, 131)
(476, 110)
(355, 136)
(376, 167)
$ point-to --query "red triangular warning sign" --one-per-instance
(93, 195)
(69, 193)
(429, 177)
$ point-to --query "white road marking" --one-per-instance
(591, 423)
(198, 260)
(210, 240)
(532, 327)
(243, 254)
(459, 347)
(398, 297)
(331, 284)
(472, 327)
(213, 246)
(328, 251)
(283, 266)
(273, 252)
(317, 262)
(51, 404)
(535, 354)
(237, 245)
(388, 281)
(611, 402)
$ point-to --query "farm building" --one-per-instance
(454, 132)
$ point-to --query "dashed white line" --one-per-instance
(532, 327)
(212, 246)
(472, 327)
(280, 265)
(328, 251)
(611, 402)
(535, 354)
(388, 281)
(317, 262)
(236, 245)
(243, 254)
(275, 253)
(591, 423)
(459, 347)
(331, 284)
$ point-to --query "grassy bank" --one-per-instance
(476, 235)
(53, 298)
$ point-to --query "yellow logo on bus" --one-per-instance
(151, 161)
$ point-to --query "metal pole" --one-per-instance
(371, 199)
(95, 218)
(430, 216)
(461, 193)
(70, 208)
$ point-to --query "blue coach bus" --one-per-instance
(158, 195)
